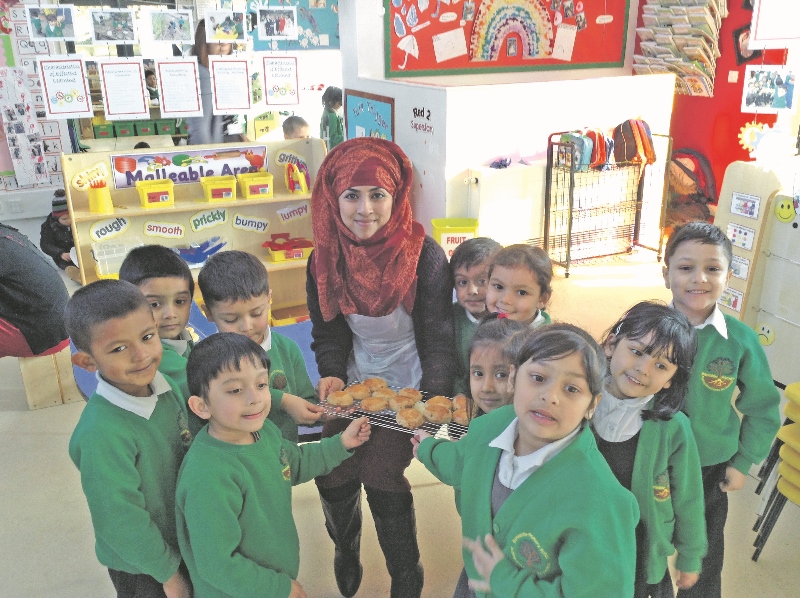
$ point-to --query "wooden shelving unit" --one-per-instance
(287, 279)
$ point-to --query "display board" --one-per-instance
(368, 115)
(429, 37)
(317, 25)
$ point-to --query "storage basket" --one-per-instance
(145, 127)
(124, 129)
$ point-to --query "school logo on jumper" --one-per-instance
(718, 374)
(208, 219)
(528, 553)
(277, 380)
(250, 223)
(287, 470)
(108, 229)
(661, 489)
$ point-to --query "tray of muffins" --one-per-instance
(401, 409)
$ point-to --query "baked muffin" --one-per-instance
(340, 398)
(410, 392)
(460, 417)
(399, 402)
(384, 393)
(436, 414)
(359, 391)
(440, 400)
(459, 402)
(410, 418)
(375, 383)
(374, 404)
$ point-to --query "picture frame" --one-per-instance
(368, 115)
(741, 39)
(277, 23)
(172, 26)
(51, 22)
(113, 26)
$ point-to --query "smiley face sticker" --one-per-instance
(784, 208)
(766, 335)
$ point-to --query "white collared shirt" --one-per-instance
(617, 420)
(514, 470)
(717, 320)
(180, 344)
(470, 317)
(141, 406)
(537, 321)
(267, 344)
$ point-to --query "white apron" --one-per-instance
(384, 347)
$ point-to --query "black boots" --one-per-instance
(342, 508)
(395, 523)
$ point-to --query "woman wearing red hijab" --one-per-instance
(380, 299)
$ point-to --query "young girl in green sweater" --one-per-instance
(542, 514)
(649, 444)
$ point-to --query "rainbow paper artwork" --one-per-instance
(496, 19)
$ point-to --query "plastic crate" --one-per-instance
(165, 126)
(156, 194)
(256, 185)
(103, 131)
(145, 127)
(108, 256)
(219, 188)
(124, 129)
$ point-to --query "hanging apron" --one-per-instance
(384, 347)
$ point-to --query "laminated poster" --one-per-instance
(774, 24)
(179, 87)
(230, 84)
(432, 37)
(124, 92)
(51, 22)
(65, 87)
(280, 80)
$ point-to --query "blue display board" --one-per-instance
(317, 22)
(368, 115)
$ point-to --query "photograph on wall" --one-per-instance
(368, 115)
(317, 26)
(51, 22)
(429, 38)
(768, 89)
(741, 44)
(65, 86)
(277, 23)
(113, 26)
(225, 26)
(172, 26)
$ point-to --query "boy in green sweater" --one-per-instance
(470, 266)
(697, 269)
(130, 440)
(167, 284)
(234, 496)
(237, 299)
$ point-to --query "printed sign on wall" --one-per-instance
(66, 88)
(280, 80)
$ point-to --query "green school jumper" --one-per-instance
(568, 530)
(129, 467)
(173, 362)
(722, 365)
(234, 510)
(287, 373)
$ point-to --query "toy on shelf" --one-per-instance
(296, 178)
(108, 256)
(100, 198)
(196, 254)
(282, 248)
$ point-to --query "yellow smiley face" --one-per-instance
(784, 208)
(766, 335)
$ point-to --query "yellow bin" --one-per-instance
(451, 232)
(157, 193)
(255, 185)
(219, 188)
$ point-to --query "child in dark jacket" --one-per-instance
(56, 236)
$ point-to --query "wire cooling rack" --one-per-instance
(387, 419)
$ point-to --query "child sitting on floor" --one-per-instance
(519, 284)
(56, 236)
(234, 495)
(130, 439)
(237, 299)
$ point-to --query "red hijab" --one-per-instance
(374, 276)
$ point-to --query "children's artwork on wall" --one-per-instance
(317, 25)
(52, 22)
(277, 23)
(65, 87)
(741, 44)
(113, 26)
(172, 26)
(768, 89)
(368, 115)
(430, 38)
(225, 26)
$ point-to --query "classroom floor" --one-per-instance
(46, 543)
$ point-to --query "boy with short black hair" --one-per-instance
(234, 495)
(697, 269)
(167, 284)
(237, 298)
(470, 266)
(130, 440)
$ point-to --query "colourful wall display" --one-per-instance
(368, 115)
(431, 37)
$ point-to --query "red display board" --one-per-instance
(432, 37)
